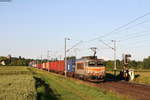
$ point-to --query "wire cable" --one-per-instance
(136, 36)
(132, 21)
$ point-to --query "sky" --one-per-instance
(29, 28)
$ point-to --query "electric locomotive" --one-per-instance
(90, 68)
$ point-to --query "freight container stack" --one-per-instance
(44, 66)
(71, 67)
(47, 66)
(52, 67)
(39, 66)
(87, 68)
(61, 66)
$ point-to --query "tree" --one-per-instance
(146, 63)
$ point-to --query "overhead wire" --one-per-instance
(74, 46)
(116, 29)
(128, 28)
(128, 35)
(136, 36)
(122, 27)
(106, 44)
(145, 21)
(134, 44)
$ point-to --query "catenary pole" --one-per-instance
(115, 65)
(65, 51)
(114, 49)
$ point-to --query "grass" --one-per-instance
(142, 77)
(16, 83)
(69, 89)
(26, 83)
(13, 70)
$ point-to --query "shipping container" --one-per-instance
(57, 66)
(52, 66)
(61, 66)
(44, 66)
(71, 65)
(47, 66)
(39, 66)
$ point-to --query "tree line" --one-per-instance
(14, 61)
(19, 61)
(145, 64)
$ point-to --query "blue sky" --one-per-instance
(31, 27)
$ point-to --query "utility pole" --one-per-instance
(65, 57)
(48, 55)
(37, 60)
(114, 49)
(115, 68)
(48, 58)
(41, 58)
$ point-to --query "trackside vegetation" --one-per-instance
(62, 88)
(27, 83)
(142, 77)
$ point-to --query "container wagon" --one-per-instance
(71, 67)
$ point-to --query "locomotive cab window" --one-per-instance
(99, 63)
(91, 63)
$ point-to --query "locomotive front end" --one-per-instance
(96, 70)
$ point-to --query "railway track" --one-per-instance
(133, 90)
(127, 89)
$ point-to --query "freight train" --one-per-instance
(87, 68)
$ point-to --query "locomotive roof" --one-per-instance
(89, 58)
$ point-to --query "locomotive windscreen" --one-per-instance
(99, 63)
(92, 63)
(95, 63)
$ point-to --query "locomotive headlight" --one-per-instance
(102, 73)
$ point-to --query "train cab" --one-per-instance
(90, 68)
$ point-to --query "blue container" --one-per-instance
(71, 65)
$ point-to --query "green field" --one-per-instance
(16, 83)
(24, 83)
(141, 76)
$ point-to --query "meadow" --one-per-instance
(16, 83)
(142, 76)
(26, 83)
